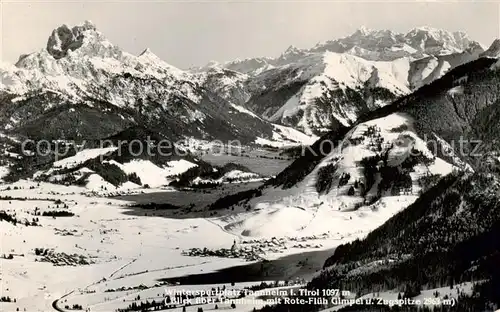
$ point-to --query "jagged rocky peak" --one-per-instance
(292, 50)
(70, 44)
(493, 50)
(475, 48)
(213, 64)
(64, 39)
(148, 58)
(364, 37)
(146, 52)
(434, 40)
(209, 67)
(363, 30)
(385, 42)
(248, 65)
(292, 53)
(149, 55)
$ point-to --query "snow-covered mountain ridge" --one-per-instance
(333, 83)
(332, 88)
(377, 169)
(312, 90)
(389, 45)
(81, 76)
(376, 45)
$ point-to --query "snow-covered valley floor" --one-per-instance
(105, 248)
(103, 257)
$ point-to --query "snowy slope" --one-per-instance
(81, 157)
(493, 50)
(286, 136)
(351, 206)
(96, 183)
(152, 174)
(426, 70)
(334, 88)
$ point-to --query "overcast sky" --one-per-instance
(189, 33)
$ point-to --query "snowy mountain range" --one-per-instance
(311, 90)
(389, 181)
(357, 177)
(82, 86)
(82, 79)
(331, 84)
(375, 45)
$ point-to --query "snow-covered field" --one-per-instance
(124, 250)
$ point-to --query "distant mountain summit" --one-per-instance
(64, 39)
(388, 45)
(493, 50)
(333, 83)
(375, 45)
(83, 86)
